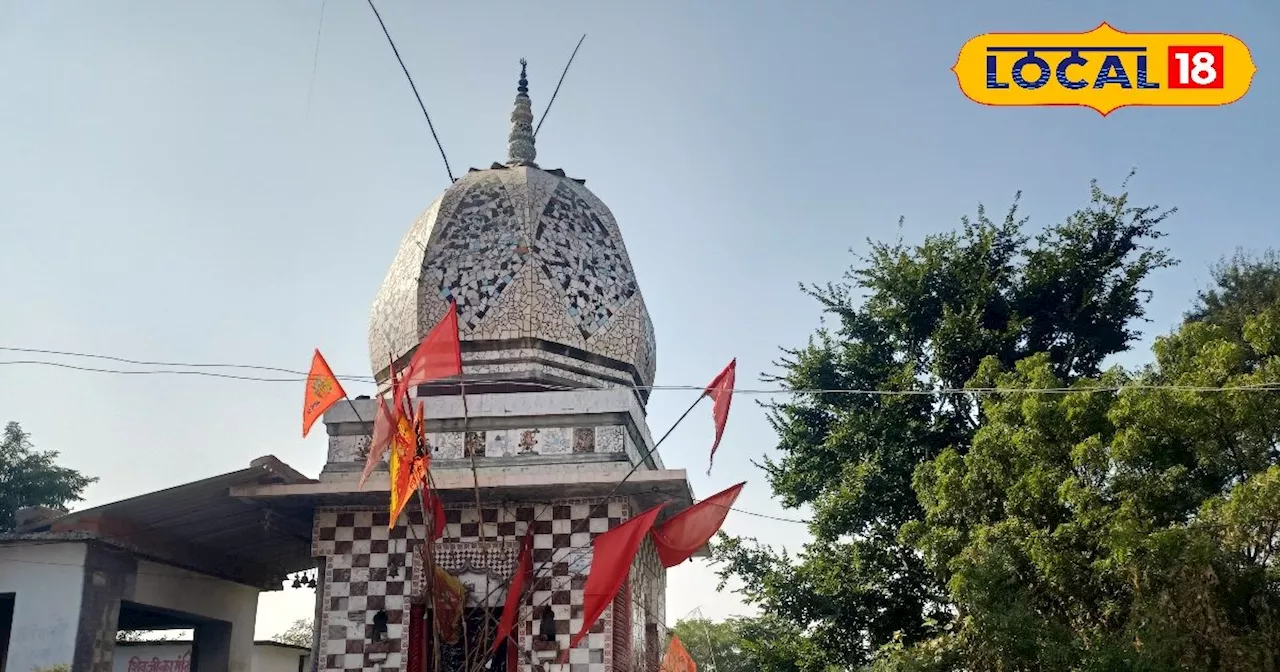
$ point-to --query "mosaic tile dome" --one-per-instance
(539, 272)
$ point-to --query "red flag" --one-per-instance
(683, 534)
(511, 609)
(323, 391)
(721, 392)
(437, 515)
(384, 428)
(439, 355)
(611, 556)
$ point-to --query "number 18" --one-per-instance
(1195, 67)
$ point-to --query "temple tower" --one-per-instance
(545, 421)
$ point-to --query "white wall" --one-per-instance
(48, 580)
(268, 658)
(176, 657)
(172, 588)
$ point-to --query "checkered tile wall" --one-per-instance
(370, 568)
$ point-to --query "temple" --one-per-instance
(539, 432)
(543, 433)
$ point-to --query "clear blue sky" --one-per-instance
(170, 191)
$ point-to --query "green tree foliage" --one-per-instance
(1130, 530)
(741, 644)
(176, 635)
(924, 319)
(298, 633)
(712, 644)
(1114, 527)
(31, 478)
(1242, 286)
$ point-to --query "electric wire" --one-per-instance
(416, 95)
(543, 116)
(315, 58)
(297, 376)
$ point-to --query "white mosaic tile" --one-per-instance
(524, 253)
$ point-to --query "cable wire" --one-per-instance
(301, 376)
(409, 77)
(564, 72)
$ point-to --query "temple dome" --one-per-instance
(535, 262)
(546, 293)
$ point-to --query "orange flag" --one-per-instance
(678, 658)
(721, 392)
(403, 448)
(323, 391)
(439, 355)
(681, 535)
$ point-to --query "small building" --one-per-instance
(189, 557)
(175, 656)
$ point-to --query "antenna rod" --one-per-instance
(407, 76)
(553, 93)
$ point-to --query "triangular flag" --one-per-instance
(678, 658)
(721, 392)
(323, 391)
(511, 609)
(384, 424)
(611, 555)
(439, 355)
(681, 535)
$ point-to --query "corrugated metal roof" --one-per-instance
(204, 517)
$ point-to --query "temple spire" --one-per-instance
(520, 149)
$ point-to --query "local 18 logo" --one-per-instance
(1104, 69)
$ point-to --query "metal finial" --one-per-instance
(520, 148)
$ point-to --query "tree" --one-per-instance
(711, 644)
(1130, 529)
(924, 320)
(169, 635)
(1242, 286)
(739, 644)
(298, 633)
(31, 478)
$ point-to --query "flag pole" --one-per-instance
(346, 397)
(475, 480)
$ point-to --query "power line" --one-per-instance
(409, 77)
(315, 58)
(301, 376)
(557, 90)
(189, 365)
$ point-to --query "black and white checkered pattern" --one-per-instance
(371, 568)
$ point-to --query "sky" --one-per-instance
(197, 182)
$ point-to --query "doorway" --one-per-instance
(471, 648)
(207, 650)
(7, 601)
